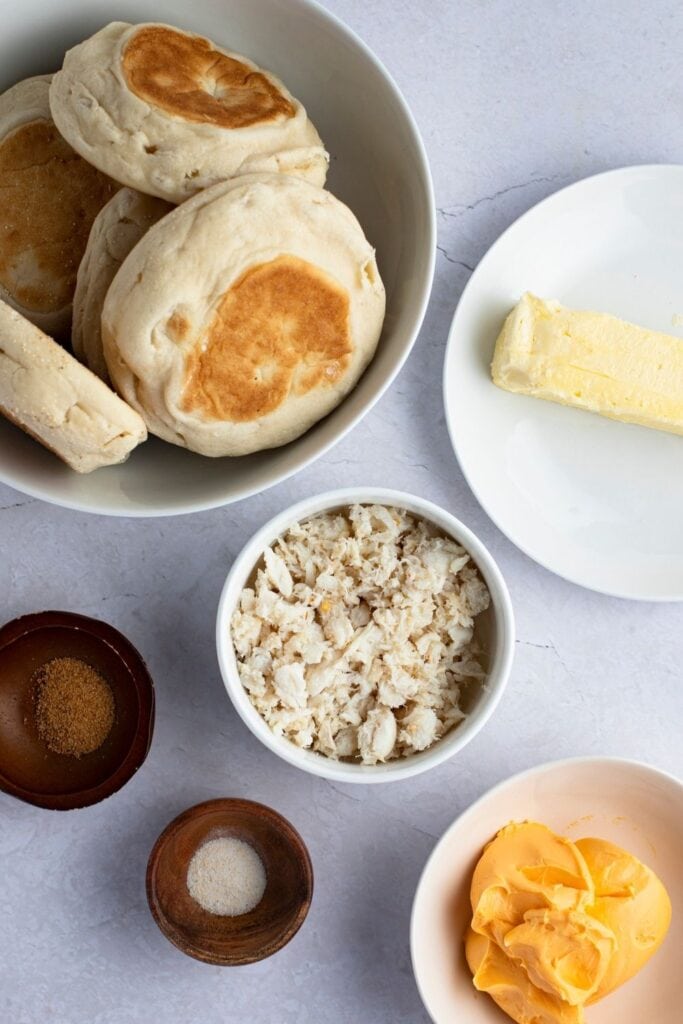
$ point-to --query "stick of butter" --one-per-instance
(591, 361)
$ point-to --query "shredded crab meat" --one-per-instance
(357, 637)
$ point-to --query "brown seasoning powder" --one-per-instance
(74, 706)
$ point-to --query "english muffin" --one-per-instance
(60, 403)
(244, 316)
(116, 230)
(50, 197)
(170, 113)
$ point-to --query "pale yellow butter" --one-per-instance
(591, 361)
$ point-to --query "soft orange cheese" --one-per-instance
(565, 953)
(557, 925)
(526, 867)
(632, 902)
(509, 985)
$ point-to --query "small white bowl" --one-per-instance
(495, 626)
(379, 168)
(631, 804)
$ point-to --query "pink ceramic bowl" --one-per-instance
(630, 804)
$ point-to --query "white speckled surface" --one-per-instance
(515, 98)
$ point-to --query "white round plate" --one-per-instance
(593, 500)
(378, 167)
(627, 803)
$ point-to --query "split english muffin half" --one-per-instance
(244, 316)
(59, 402)
(50, 197)
(116, 230)
(170, 113)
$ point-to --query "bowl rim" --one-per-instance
(144, 687)
(318, 764)
(302, 461)
(281, 824)
(589, 760)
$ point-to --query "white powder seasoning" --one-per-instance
(226, 876)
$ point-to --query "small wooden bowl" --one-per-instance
(212, 938)
(28, 769)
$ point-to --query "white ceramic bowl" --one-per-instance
(378, 168)
(495, 629)
(630, 804)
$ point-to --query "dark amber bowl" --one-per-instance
(28, 769)
(212, 938)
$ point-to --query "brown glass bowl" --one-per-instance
(212, 938)
(28, 769)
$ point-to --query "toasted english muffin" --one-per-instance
(170, 113)
(50, 197)
(59, 402)
(244, 316)
(116, 230)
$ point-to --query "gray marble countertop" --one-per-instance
(515, 98)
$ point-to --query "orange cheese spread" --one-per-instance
(558, 924)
